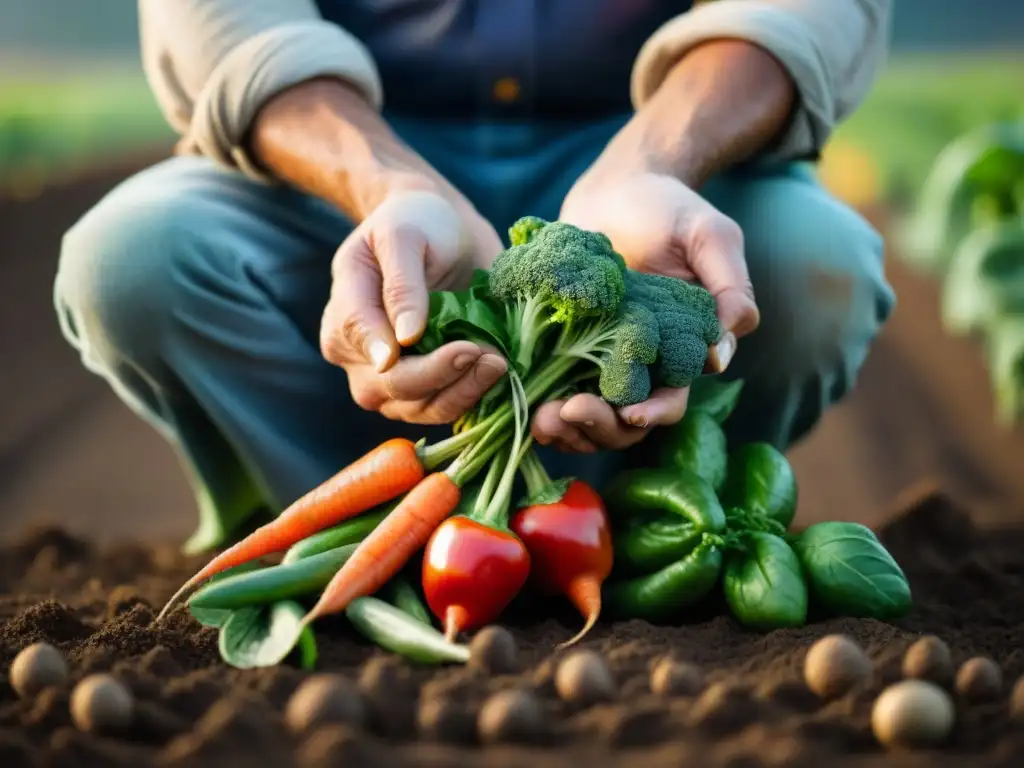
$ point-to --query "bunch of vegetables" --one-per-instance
(707, 517)
(970, 229)
(563, 308)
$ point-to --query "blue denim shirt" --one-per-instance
(504, 58)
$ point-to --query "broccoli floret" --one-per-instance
(624, 381)
(554, 273)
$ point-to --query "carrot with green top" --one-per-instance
(408, 528)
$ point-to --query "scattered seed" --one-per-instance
(493, 649)
(979, 679)
(37, 667)
(675, 678)
(1017, 699)
(583, 677)
(324, 699)
(509, 716)
(912, 713)
(929, 659)
(441, 719)
(834, 665)
(101, 703)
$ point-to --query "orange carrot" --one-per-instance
(391, 545)
(383, 474)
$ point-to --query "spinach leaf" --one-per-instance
(851, 573)
(697, 444)
(761, 480)
(714, 396)
(1006, 359)
(986, 278)
(265, 636)
(765, 586)
(469, 315)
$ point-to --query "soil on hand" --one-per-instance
(754, 708)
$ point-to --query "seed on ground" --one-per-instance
(325, 699)
(101, 703)
(912, 713)
(1017, 699)
(929, 659)
(979, 679)
(509, 716)
(36, 667)
(834, 665)
(493, 649)
(583, 677)
(676, 678)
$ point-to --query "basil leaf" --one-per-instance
(714, 396)
(851, 573)
(265, 636)
(765, 586)
(761, 480)
(697, 444)
(468, 315)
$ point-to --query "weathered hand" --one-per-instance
(659, 225)
(412, 243)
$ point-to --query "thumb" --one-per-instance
(716, 258)
(401, 254)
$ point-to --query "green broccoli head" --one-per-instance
(664, 323)
(575, 272)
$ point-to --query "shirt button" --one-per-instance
(507, 89)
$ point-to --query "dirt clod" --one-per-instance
(494, 650)
(445, 720)
(834, 665)
(36, 667)
(325, 699)
(583, 678)
(509, 716)
(676, 678)
(979, 679)
(103, 704)
(913, 713)
(929, 659)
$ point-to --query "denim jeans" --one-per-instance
(197, 294)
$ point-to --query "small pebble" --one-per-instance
(583, 677)
(912, 713)
(493, 649)
(834, 665)
(101, 703)
(324, 699)
(675, 678)
(1017, 699)
(380, 677)
(37, 667)
(979, 679)
(929, 659)
(441, 719)
(509, 716)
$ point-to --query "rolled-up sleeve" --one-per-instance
(212, 64)
(833, 50)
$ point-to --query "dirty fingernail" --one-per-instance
(379, 352)
(462, 362)
(635, 419)
(725, 349)
(407, 327)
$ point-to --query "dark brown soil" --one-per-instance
(98, 607)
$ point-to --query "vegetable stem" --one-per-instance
(496, 513)
(533, 471)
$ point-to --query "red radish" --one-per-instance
(565, 529)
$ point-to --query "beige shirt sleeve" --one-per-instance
(833, 49)
(213, 63)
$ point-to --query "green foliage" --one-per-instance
(265, 636)
(761, 480)
(764, 585)
(851, 573)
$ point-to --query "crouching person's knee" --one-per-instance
(823, 300)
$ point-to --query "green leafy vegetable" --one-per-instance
(469, 315)
(850, 573)
(714, 396)
(697, 444)
(761, 480)
(266, 636)
(1006, 360)
(985, 281)
(764, 586)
